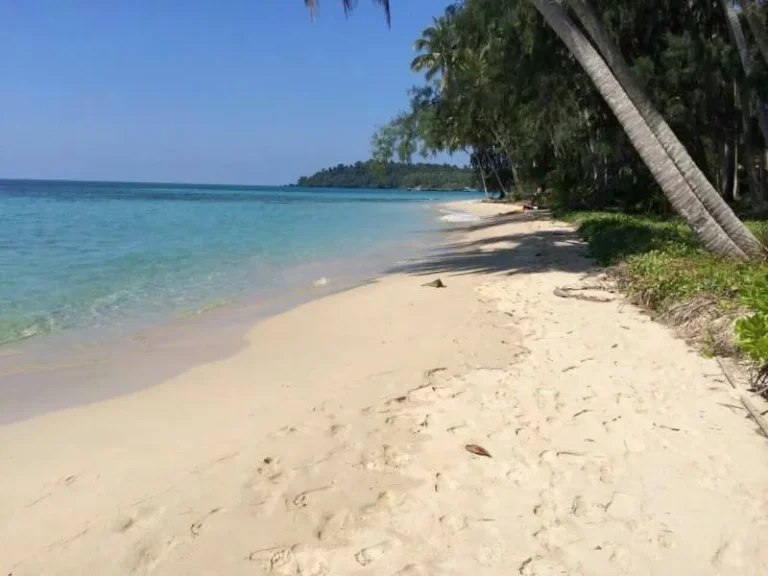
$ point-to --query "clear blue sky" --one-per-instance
(240, 91)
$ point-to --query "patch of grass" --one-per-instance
(660, 265)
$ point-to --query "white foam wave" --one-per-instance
(459, 217)
(321, 282)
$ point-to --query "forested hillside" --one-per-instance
(391, 175)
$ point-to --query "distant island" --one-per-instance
(373, 174)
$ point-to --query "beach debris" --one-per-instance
(746, 402)
(479, 450)
(435, 284)
(597, 288)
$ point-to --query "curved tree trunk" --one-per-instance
(678, 192)
(696, 179)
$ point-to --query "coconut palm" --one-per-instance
(437, 47)
(349, 4)
(693, 175)
(670, 179)
(670, 174)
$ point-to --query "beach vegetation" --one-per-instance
(720, 303)
(609, 104)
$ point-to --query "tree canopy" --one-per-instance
(500, 84)
(374, 174)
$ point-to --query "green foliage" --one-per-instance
(373, 174)
(661, 260)
(752, 331)
(499, 84)
(662, 265)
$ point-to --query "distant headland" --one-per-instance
(373, 174)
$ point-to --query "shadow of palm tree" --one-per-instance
(521, 252)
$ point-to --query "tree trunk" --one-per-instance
(736, 171)
(482, 177)
(676, 189)
(693, 175)
(757, 27)
(505, 147)
(750, 158)
(730, 170)
(515, 175)
(737, 35)
(498, 179)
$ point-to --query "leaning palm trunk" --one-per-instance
(676, 189)
(677, 152)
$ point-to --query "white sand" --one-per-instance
(333, 443)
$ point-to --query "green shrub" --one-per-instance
(752, 331)
(661, 264)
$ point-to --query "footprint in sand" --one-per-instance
(371, 554)
(303, 499)
(337, 430)
(147, 554)
(729, 554)
(277, 560)
(453, 523)
(332, 527)
(143, 514)
(298, 560)
(389, 457)
(444, 483)
(196, 527)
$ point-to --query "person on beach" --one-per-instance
(536, 199)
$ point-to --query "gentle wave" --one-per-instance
(459, 217)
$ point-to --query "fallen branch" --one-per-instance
(587, 292)
(754, 412)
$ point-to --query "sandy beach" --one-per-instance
(333, 442)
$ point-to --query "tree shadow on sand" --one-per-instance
(526, 252)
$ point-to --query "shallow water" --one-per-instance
(108, 288)
(84, 256)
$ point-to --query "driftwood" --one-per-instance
(587, 292)
(746, 402)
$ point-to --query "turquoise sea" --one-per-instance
(89, 255)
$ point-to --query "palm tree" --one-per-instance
(349, 4)
(437, 46)
(667, 173)
(670, 179)
(693, 175)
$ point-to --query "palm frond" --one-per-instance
(349, 5)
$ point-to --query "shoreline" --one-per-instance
(333, 441)
(82, 366)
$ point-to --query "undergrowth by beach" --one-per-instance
(658, 263)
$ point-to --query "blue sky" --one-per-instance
(240, 91)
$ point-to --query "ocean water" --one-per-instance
(76, 255)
